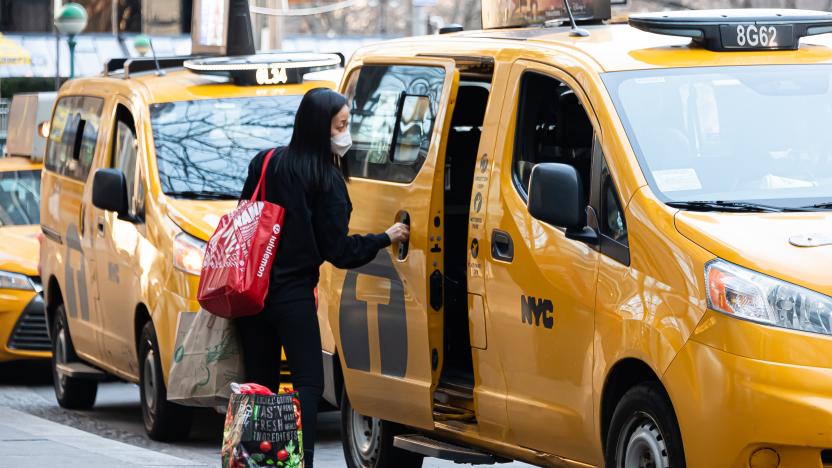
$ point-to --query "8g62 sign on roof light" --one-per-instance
(738, 30)
(266, 69)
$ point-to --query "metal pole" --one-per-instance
(71, 43)
(114, 16)
(57, 60)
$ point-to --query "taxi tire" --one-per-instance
(647, 406)
(165, 421)
(71, 393)
(387, 455)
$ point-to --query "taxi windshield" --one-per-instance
(755, 134)
(19, 198)
(203, 147)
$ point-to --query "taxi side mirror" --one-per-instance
(556, 197)
(109, 191)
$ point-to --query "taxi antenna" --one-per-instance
(159, 71)
(576, 31)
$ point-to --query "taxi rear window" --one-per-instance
(203, 147)
(751, 134)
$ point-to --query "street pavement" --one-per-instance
(36, 432)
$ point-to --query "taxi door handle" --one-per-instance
(502, 247)
(404, 218)
(100, 224)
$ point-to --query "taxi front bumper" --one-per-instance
(23, 328)
(731, 408)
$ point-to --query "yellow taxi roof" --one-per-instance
(181, 85)
(618, 47)
(18, 164)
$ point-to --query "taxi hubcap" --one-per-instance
(642, 445)
(149, 382)
(365, 437)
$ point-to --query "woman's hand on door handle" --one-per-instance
(398, 232)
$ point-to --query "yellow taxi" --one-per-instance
(23, 330)
(620, 244)
(140, 165)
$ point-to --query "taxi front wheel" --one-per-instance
(368, 442)
(163, 420)
(644, 431)
(71, 392)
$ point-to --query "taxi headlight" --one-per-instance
(746, 294)
(9, 280)
(188, 252)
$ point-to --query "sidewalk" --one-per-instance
(29, 441)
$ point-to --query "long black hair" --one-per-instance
(309, 154)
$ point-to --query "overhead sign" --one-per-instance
(514, 13)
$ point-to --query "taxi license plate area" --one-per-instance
(753, 36)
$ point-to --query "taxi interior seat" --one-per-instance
(554, 128)
(460, 163)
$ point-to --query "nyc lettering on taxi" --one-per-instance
(537, 311)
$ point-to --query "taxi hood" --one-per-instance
(198, 218)
(764, 242)
(19, 249)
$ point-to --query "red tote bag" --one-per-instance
(239, 256)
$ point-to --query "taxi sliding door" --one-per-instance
(387, 316)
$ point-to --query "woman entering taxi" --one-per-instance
(308, 179)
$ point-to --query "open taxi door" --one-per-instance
(386, 317)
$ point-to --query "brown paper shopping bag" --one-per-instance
(207, 357)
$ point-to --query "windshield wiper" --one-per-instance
(733, 206)
(203, 195)
(821, 206)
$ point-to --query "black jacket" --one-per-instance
(315, 229)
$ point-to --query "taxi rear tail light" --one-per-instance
(749, 295)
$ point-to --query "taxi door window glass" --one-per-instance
(718, 134)
(552, 127)
(124, 157)
(393, 111)
(203, 147)
(73, 136)
(19, 198)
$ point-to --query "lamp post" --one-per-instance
(71, 21)
(142, 44)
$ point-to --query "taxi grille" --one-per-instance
(30, 332)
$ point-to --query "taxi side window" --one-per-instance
(552, 126)
(612, 224)
(73, 136)
(125, 157)
(392, 114)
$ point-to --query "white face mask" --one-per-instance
(341, 143)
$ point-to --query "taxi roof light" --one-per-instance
(739, 29)
(266, 69)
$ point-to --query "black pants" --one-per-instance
(294, 325)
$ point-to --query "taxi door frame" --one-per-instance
(406, 400)
(526, 417)
(119, 343)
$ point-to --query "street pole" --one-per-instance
(71, 43)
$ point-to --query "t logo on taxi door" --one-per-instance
(533, 310)
(392, 323)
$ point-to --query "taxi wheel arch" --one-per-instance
(163, 420)
(627, 377)
(70, 392)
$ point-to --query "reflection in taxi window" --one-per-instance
(73, 136)
(731, 133)
(205, 146)
(19, 197)
(392, 103)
